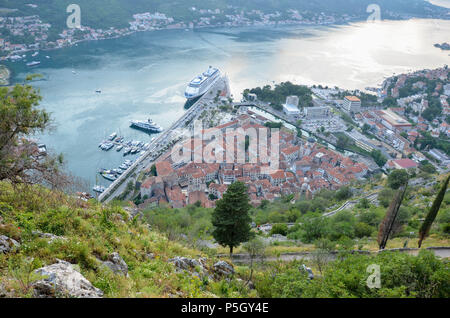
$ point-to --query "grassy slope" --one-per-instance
(92, 232)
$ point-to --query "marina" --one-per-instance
(113, 174)
(128, 147)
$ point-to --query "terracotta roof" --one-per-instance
(163, 168)
(406, 163)
(352, 98)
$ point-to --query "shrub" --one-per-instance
(281, 229)
(363, 230)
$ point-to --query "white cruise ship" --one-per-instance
(202, 83)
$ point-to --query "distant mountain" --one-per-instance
(117, 13)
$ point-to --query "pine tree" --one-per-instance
(231, 218)
(391, 214)
(426, 226)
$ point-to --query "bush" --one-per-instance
(314, 229)
(343, 193)
(403, 275)
(363, 230)
(281, 229)
(397, 178)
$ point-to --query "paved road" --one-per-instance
(350, 204)
(442, 252)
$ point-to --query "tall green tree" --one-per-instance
(429, 219)
(388, 223)
(397, 178)
(231, 219)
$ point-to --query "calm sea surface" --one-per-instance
(144, 75)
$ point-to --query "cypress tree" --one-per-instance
(429, 219)
(231, 219)
(391, 215)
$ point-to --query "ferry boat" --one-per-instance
(202, 83)
(147, 126)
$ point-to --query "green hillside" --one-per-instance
(88, 233)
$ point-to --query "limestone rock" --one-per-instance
(49, 236)
(223, 268)
(7, 244)
(62, 280)
(188, 264)
(117, 264)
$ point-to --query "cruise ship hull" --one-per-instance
(190, 102)
(201, 84)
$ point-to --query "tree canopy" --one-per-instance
(231, 218)
(20, 159)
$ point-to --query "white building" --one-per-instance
(352, 104)
(291, 106)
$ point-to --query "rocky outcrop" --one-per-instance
(222, 268)
(7, 244)
(184, 263)
(49, 236)
(133, 212)
(197, 267)
(62, 280)
(116, 264)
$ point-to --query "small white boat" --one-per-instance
(112, 136)
(99, 189)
